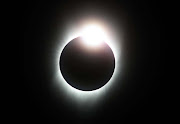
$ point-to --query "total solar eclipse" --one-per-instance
(88, 65)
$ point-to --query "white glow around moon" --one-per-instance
(89, 31)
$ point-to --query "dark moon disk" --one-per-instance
(86, 67)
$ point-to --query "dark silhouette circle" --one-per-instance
(86, 67)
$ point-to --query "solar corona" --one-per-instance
(91, 37)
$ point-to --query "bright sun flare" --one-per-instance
(93, 35)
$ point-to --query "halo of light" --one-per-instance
(72, 93)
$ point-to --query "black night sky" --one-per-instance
(138, 94)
